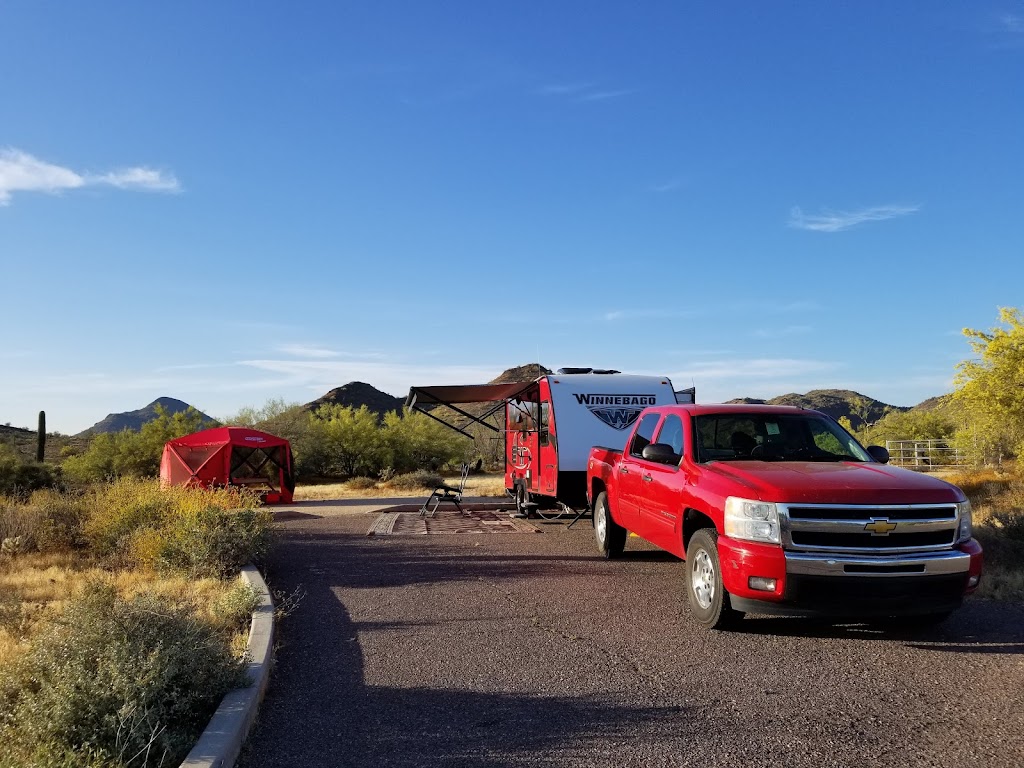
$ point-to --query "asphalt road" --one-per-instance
(528, 650)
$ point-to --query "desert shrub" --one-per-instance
(1009, 524)
(62, 520)
(201, 532)
(234, 608)
(19, 526)
(114, 682)
(118, 510)
(982, 485)
(20, 477)
(411, 481)
(361, 484)
(213, 542)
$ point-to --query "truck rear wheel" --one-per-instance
(610, 536)
(709, 602)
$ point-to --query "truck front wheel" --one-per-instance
(709, 602)
(610, 536)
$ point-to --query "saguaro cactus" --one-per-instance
(41, 437)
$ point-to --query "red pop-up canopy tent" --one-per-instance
(227, 456)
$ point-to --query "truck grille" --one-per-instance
(869, 529)
(947, 512)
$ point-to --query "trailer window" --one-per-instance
(545, 410)
(644, 434)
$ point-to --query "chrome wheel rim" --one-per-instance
(702, 579)
(600, 523)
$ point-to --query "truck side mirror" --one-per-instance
(879, 454)
(661, 453)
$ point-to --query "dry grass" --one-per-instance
(35, 588)
(997, 503)
(476, 485)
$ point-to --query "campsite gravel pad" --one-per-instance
(470, 521)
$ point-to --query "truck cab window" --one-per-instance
(644, 434)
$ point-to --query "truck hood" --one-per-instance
(832, 483)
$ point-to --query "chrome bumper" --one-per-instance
(892, 566)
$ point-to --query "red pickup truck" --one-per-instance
(779, 510)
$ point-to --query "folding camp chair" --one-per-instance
(445, 493)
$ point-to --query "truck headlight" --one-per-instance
(966, 529)
(751, 520)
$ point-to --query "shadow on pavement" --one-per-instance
(319, 712)
(1003, 629)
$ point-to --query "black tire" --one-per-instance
(609, 535)
(709, 602)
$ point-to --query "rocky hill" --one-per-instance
(858, 408)
(23, 441)
(356, 394)
(134, 420)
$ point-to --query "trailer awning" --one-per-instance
(463, 394)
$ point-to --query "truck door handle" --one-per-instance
(623, 470)
(648, 478)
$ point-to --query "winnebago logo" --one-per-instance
(617, 411)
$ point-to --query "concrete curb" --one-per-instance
(220, 743)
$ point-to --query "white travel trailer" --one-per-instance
(550, 425)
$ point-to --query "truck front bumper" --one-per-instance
(847, 585)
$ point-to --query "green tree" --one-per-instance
(416, 441)
(130, 453)
(350, 440)
(990, 389)
(910, 425)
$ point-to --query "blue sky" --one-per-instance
(228, 202)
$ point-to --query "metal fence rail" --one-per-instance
(923, 454)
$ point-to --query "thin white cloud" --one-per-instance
(603, 95)
(581, 92)
(779, 333)
(306, 350)
(725, 378)
(138, 178)
(394, 378)
(563, 89)
(762, 368)
(1012, 23)
(635, 314)
(837, 221)
(22, 172)
(667, 186)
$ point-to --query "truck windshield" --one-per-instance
(773, 437)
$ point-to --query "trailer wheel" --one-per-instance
(709, 602)
(610, 536)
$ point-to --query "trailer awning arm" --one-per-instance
(450, 395)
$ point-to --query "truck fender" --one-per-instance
(693, 521)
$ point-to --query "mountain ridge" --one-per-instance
(133, 420)
(860, 409)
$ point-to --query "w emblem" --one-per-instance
(617, 418)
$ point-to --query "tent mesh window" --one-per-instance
(196, 456)
(257, 465)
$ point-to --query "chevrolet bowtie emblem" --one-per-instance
(880, 526)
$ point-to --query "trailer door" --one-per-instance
(522, 439)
